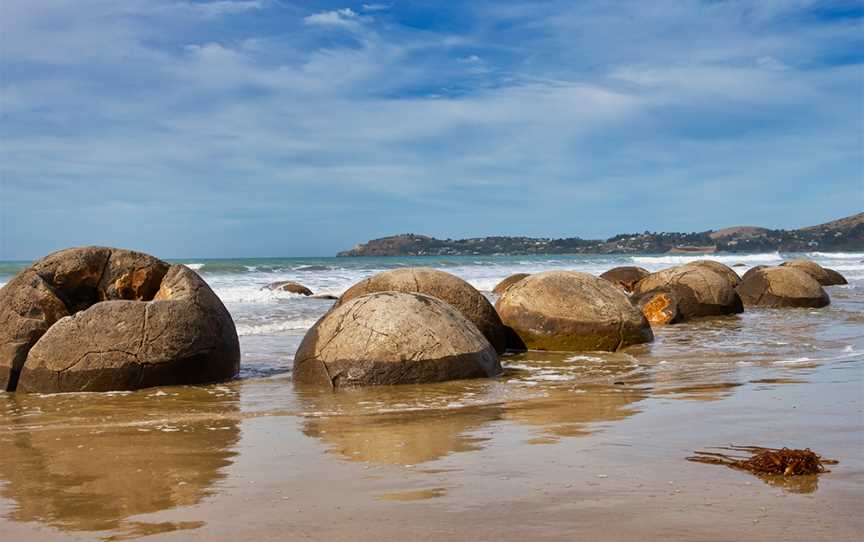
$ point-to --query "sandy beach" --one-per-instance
(562, 446)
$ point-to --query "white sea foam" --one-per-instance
(584, 358)
(195, 266)
(792, 361)
(837, 255)
(270, 328)
(680, 259)
(252, 293)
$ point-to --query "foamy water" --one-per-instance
(261, 313)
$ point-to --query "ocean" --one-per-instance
(582, 442)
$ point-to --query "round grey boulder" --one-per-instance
(783, 286)
(393, 338)
(103, 319)
(721, 269)
(446, 287)
(700, 291)
(825, 277)
(570, 311)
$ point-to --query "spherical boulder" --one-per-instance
(502, 286)
(289, 286)
(752, 271)
(446, 287)
(101, 319)
(825, 277)
(700, 291)
(393, 338)
(570, 311)
(783, 286)
(721, 269)
(626, 276)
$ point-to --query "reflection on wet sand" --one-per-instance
(578, 392)
(574, 412)
(137, 453)
(400, 437)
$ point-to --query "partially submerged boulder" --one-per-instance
(783, 286)
(446, 287)
(825, 277)
(700, 291)
(393, 338)
(100, 319)
(502, 286)
(625, 276)
(289, 286)
(570, 311)
(721, 269)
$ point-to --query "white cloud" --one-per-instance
(345, 18)
(222, 7)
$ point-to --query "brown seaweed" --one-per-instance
(780, 461)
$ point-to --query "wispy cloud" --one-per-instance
(345, 18)
(228, 127)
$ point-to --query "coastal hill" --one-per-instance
(845, 234)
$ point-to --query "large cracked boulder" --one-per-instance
(700, 291)
(393, 338)
(507, 282)
(825, 277)
(625, 276)
(783, 286)
(446, 287)
(101, 319)
(570, 311)
(721, 269)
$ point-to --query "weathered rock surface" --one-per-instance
(825, 277)
(446, 287)
(393, 338)
(28, 307)
(502, 286)
(626, 276)
(721, 269)
(700, 291)
(570, 311)
(835, 278)
(783, 286)
(289, 286)
(99, 319)
(661, 306)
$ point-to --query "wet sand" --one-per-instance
(563, 446)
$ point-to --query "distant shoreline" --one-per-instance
(842, 235)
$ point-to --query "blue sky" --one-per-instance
(281, 128)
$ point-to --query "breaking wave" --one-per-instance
(680, 259)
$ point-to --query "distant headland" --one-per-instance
(845, 234)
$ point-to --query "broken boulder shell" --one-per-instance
(104, 319)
